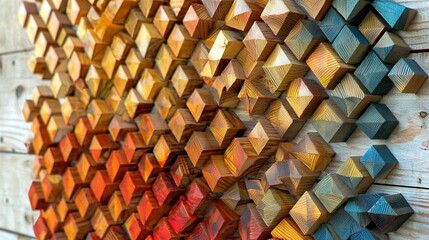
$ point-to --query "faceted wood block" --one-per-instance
(72, 182)
(260, 41)
(101, 146)
(221, 221)
(200, 56)
(180, 42)
(53, 161)
(86, 203)
(64, 208)
(236, 195)
(99, 115)
(76, 227)
(282, 68)
(198, 197)
(201, 104)
(166, 62)
(101, 221)
(40, 94)
(25, 10)
(303, 38)
(200, 147)
(287, 229)
(116, 232)
(251, 225)
(407, 76)
(327, 65)
(309, 213)
(118, 209)
(78, 65)
(41, 229)
(152, 126)
(76, 9)
(217, 175)
(223, 97)
(372, 74)
(390, 48)
(52, 219)
(242, 14)
(182, 125)
(148, 8)
(57, 128)
(86, 167)
(164, 20)
(274, 206)
(165, 189)
(390, 212)
(185, 79)
(123, 81)
(255, 190)
(134, 21)
(332, 192)
(351, 45)
(119, 128)
(252, 69)
(351, 97)
(102, 186)
(227, 45)
(52, 187)
(148, 40)
(255, 97)
(49, 108)
(233, 76)
(331, 123)
(135, 228)
(398, 17)
(197, 21)
(70, 148)
(183, 171)
(121, 44)
(377, 122)
(29, 110)
(325, 232)
(332, 24)
(217, 9)
(355, 175)
(35, 195)
(284, 119)
(96, 80)
(314, 8)
(167, 149)
(298, 177)
(72, 109)
(372, 27)
(379, 161)
(149, 167)
(163, 230)
(359, 206)
(150, 212)
(136, 63)
(134, 147)
(180, 219)
(343, 224)
(304, 96)
(241, 158)
(136, 105)
(61, 85)
(225, 126)
(368, 234)
(281, 16)
(264, 138)
(351, 10)
(132, 187)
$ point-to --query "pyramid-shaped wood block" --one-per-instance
(398, 17)
(350, 10)
(332, 24)
(242, 14)
(407, 75)
(251, 225)
(343, 224)
(260, 41)
(372, 27)
(355, 175)
(379, 161)
(225, 126)
(241, 158)
(390, 48)
(200, 147)
(288, 229)
(315, 8)
(264, 137)
(377, 122)
(274, 206)
(197, 21)
(236, 195)
(201, 104)
(284, 119)
(255, 97)
(182, 124)
(298, 178)
(351, 45)
(217, 175)
(359, 206)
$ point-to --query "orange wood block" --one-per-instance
(102, 186)
(132, 187)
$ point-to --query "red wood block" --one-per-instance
(164, 231)
(152, 126)
(118, 128)
(35, 194)
(100, 147)
(117, 165)
(183, 171)
(64, 208)
(132, 187)
(180, 219)
(101, 221)
(53, 161)
(165, 189)
(115, 233)
(70, 147)
(41, 230)
(38, 167)
(59, 236)
(86, 203)
(198, 197)
(134, 147)
(149, 210)
(167, 149)
(102, 186)
(200, 147)
(76, 227)
(135, 228)
(92, 236)
(149, 167)
(72, 182)
(52, 219)
(52, 187)
(83, 131)
(200, 232)
(118, 209)
(221, 221)
(87, 167)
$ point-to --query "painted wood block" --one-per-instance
(298, 177)
(198, 197)
(309, 213)
(303, 38)
(332, 24)
(132, 187)
(359, 206)
(166, 150)
(152, 126)
(150, 212)
(236, 195)
(274, 175)
(355, 175)
(368, 234)
(390, 212)
(281, 16)
(343, 224)
(377, 122)
(242, 14)
(407, 76)
(288, 229)
(351, 10)
(274, 206)
(372, 27)
(332, 191)
(372, 73)
(197, 21)
(221, 221)
(351, 45)
(200, 147)
(185, 79)
(396, 15)
(217, 174)
(255, 97)
(379, 161)
(251, 225)
(260, 41)
(135, 228)
(314, 8)
(163, 230)
(199, 232)
(201, 104)
(329, 71)
(180, 219)
(102, 186)
(325, 232)
(351, 97)
(390, 48)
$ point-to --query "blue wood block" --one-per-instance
(379, 161)
(407, 75)
(343, 224)
(366, 234)
(372, 73)
(390, 48)
(396, 15)
(377, 122)
(351, 10)
(351, 45)
(332, 24)
(390, 212)
(359, 206)
(325, 232)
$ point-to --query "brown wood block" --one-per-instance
(163, 230)
(150, 212)
(134, 21)
(201, 104)
(135, 104)
(99, 115)
(181, 6)
(109, 63)
(43, 42)
(260, 41)
(97, 81)
(149, 7)
(41, 141)
(167, 102)
(288, 229)
(101, 221)
(199, 57)
(149, 167)
(70, 148)
(166, 150)
(52, 219)
(165, 189)
(136, 63)
(56, 60)
(49, 108)
(83, 131)
(59, 236)
(116, 103)
(76, 227)
(198, 197)
(283, 118)
(57, 128)
(102, 186)
(76, 9)
(264, 137)
(180, 41)
(29, 110)
(164, 20)
(315, 8)
(123, 81)
(242, 14)
(94, 46)
(117, 165)
(134, 147)
(217, 175)
(106, 30)
(37, 65)
(40, 94)
(65, 208)
(166, 62)
(200, 147)
(117, 11)
(53, 161)
(275, 205)
(26, 8)
(52, 187)
(148, 40)
(132, 187)
(255, 97)
(38, 167)
(225, 126)
(72, 182)
(101, 146)
(35, 25)
(121, 45)
(78, 65)
(182, 171)
(372, 27)
(223, 97)
(36, 196)
(185, 79)
(72, 44)
(180, 219)
(197, 21)
(355, 175)
(251, 225)
(233, 76)
(242, 159)
(118, 209)
(236, 196)
(217, 9)
(150, 84)
(152, 126)
(115, 232)
(298, 178)
(255, 190)
(86, 203)
(200, 232)
(72, 109)
(119, 128)
(221, 221)
(135, 228)
(40, 228)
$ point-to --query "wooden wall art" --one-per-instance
(182, 119)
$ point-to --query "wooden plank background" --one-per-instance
(409, 142)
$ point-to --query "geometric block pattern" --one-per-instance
(377, 122)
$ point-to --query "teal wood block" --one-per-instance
(351, 45)
(396, 15)
(372, 73)
(379, 161)
(366, 234)
(407, 76)
(351, 10)
(390, 48)
(359, 206)
(377, 122)
(325, 232)
(332, 24)
(343, 224)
